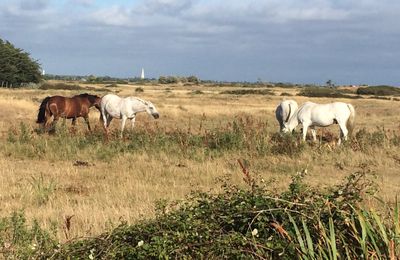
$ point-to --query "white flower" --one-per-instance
(33, 246)
(140, 243)
(91, 256)
(254, 232)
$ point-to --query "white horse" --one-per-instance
(284, 111)
(113, 106)
(311, 115)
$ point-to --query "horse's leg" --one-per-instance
(109, 118)
(133, 121)
(87, 122)
(54, 123)
(305, 126)
(105, 117)
(343, 132)
(314, 133)
(46, 121)
(123, 124)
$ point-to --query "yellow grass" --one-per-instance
(103, 194)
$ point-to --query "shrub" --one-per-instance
(323, 92)
(197, 92)
(193, 79)
(365, 140)
(249, 91)
(287, 144)
(113, 85)
(139, 90)
(64, 86)
(379, 91)
(168, 79)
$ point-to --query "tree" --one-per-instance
(16, 66)
(330, 84)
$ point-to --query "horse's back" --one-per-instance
(324, 114)
(111, 104)
(110, 98)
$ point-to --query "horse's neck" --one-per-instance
(293, 121)
(138, 105)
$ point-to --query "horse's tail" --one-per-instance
(350, 121)
(41, 118)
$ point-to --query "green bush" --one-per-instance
(249, 91)
(379, 91)
(168, 79)
(57, 86)
(324, 92)
(139, 90)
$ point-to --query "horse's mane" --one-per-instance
(84, 95)
(146, 103)
(91, 98)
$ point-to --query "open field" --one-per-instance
(100, 184)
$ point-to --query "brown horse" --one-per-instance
(65, 107)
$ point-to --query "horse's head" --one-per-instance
(290, 126)
(151, 110)
(97, 102)
(94, 101)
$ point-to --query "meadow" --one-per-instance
(79, 184)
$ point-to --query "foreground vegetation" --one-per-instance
(253, 222)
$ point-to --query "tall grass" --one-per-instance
(244, 134)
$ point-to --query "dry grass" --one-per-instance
(102, 194)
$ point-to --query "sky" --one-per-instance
(297, 41)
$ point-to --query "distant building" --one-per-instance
(142, 74)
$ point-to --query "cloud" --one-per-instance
(84, 3)
(287, 39)
(33, 5)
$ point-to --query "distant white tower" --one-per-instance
(43, 73)
(142, 74)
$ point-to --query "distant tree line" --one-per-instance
(16, 66)
(175, 79)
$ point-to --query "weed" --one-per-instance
(42, 189)
(20, 241)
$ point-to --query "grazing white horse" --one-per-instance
(311, 115)
(113, 106)
(284, 111)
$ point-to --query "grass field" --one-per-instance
(98, 184)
